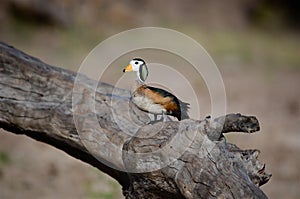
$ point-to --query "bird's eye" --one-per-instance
(136, 63)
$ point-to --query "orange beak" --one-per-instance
(128, 68)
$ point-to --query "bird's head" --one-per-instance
(139, 66)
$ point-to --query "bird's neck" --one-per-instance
(137, 84)
(138, 78)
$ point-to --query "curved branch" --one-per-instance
(95, 122)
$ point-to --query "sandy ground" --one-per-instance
(275, 99)
(36, 170)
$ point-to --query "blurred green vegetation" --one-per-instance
(250, 47)
(278, 13)
(255, 48)
(102, 188)
(4, 158)
(263, 37)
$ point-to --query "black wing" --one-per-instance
(182, 112)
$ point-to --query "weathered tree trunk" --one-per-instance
(36, 100)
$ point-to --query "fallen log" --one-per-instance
(96, 123)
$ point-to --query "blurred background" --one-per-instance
(255, 44)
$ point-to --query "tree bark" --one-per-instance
(96, 123)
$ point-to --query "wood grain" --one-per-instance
(96, 122)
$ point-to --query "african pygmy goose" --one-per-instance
(154, 100)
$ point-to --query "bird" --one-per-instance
(151, 99)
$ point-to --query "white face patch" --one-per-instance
(136, 64)
(139, 66)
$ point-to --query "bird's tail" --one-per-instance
(184, 108)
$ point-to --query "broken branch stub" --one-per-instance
(186, 159)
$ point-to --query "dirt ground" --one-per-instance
(275, 100)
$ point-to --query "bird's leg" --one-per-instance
(164, 116)
(155, 120)
(154, 117)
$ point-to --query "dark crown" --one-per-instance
(139, 59)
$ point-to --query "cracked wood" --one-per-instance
(36, 100)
